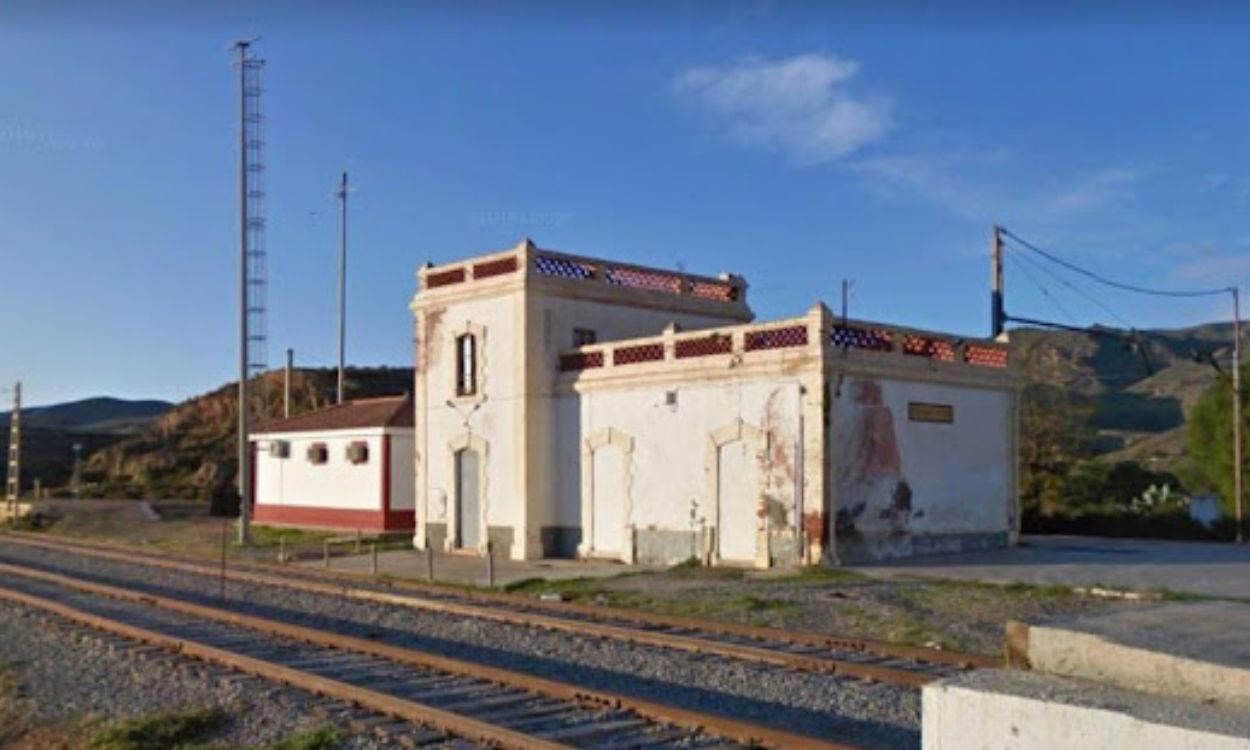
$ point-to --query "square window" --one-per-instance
(583, 337)
(318, 453)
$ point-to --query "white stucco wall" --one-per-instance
(894, 476)
(295, 481)
(491, 416)
(669, 486)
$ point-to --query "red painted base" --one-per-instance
(335, 518)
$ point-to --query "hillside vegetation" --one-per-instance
(190, 451)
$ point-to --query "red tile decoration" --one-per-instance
(581, 361)
(710, 290)
(927, 346)
(499, 267)
(717, 343)
(985, 355)
(637, 278)
(628, 355)
(776, 338)
(445, 278)
(551, 265)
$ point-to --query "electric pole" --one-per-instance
(13, 486)
(286, 384)
(1238, 468)
(77, 470)
(342, 282)
(997, 316)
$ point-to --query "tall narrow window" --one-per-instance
(466, 365)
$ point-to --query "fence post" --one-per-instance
(429, 563)
(490, 564)
(373, 558)
(281, 550)
(358, 541)
(325, 552)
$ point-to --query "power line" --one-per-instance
(1109, 282)
(1091, 298)
(1042, 288)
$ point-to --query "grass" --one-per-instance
(193, 730)
(161, 731)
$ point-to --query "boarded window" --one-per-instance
(358, 452)
(318, 453)
(466, 365)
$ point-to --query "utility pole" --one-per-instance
(997, 316)
(342, 282)
(13, 487)
(286, 384)
(1238, 469)
(77, 470)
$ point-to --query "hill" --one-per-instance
(49, 433)
(102, 415)
(1141, 393)
(189, 452)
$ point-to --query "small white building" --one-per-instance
(343, 467)
(572, 406)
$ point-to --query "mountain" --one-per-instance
(1142, 385)
(49, 433)
(102, 415)
(190, 451)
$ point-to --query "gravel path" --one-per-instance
(76, 681)
(879, 717)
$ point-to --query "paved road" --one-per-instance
(1212, 569)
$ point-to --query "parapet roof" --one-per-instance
(724, 294)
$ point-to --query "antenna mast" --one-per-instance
(342, 283)
(252, 262)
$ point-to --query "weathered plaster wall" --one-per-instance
(553, 320)
(338, 483)
(903, 486)
(487, 421)
(669, 493)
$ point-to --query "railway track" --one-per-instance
(805, 651)
(439, 695)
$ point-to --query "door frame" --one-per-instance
(467, 441)
(755, 438)
(605, 438)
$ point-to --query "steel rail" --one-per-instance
(487, 605)
(732, 729)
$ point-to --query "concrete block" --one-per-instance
(1014, 710)
(1198, 651)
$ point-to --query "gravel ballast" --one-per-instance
(865, 714)
(70, 682)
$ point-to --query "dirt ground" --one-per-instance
(962, 615)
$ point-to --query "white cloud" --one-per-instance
(1093, 191)
(797, 105)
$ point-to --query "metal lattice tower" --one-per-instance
(13, 484)
(254, 187)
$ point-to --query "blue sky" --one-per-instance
(796, 144)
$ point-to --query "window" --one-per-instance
(583, 337)
(318, 453)
(358, 452)
(466, 365)
(279, 449)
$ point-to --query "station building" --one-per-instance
(347, 466)
(572, 406)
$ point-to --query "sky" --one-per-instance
(798, 144)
